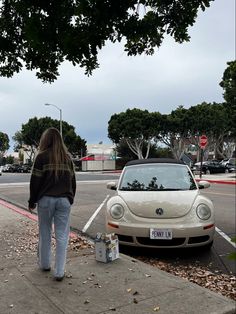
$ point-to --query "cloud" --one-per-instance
(178, 74)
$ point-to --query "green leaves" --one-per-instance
(4, 143)
(31, 132)
(133, 124)
(228, 84)
(42, 34)
(176, 130)
(137, 128)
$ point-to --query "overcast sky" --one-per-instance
(178, 74)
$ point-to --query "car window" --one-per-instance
(157, 177)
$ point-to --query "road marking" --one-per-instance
(14, 184)
(94, 215)
(227, 238)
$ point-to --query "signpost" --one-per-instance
(202, 143)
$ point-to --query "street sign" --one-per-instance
(203, 141)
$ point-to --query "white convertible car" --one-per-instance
(158, 204)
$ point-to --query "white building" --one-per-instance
(101, 151)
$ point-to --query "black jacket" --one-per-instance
(43, 181)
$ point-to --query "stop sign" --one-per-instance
(203, 141)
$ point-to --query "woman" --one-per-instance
(52, 187)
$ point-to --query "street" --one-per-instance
(87, 216)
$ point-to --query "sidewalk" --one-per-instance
(123, 286)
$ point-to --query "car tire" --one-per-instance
(227, 171)
(208, 171)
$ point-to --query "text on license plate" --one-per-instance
(161, 234)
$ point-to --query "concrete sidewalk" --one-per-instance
(123, 286)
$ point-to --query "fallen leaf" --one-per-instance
(112, 308)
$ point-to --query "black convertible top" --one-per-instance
(154, 160)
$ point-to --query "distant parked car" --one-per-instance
(13, 168)
(231, 161)
(209, 167)
(17, 168)
(25, 168)
(7, 168)
(230, 168)
(224, 161)
(158, 204)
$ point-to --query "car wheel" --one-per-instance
(226, 170)
(208, 171)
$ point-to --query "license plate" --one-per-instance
(165, 234)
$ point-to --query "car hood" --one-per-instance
(172, 204)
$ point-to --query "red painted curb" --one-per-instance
(19, 210)
(27, 214)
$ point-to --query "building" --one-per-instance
(100, 152)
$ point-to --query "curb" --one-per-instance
(217, 181)
(24, 213)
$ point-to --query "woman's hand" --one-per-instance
(31, 208)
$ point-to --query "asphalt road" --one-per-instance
(87, 215)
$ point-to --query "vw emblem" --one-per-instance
(159, 211)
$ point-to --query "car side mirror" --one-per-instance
(203, 184)
(111, 185)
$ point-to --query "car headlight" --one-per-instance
(117, 211)
(203, 212)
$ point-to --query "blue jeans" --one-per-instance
(57, 210)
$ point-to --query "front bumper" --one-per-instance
(183, 236)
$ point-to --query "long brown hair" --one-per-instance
(52, 142)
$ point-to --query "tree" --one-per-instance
(4, 145)
(174, 131)
(17, 138)
(215, 121)
(136, 127)
(75, 144)
(9, 160)
(124, 151)
(30, 133)
(184, 127)
(42, 34)
(228, 84)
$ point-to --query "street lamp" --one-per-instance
(60, 115)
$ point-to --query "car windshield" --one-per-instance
(157, 177)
